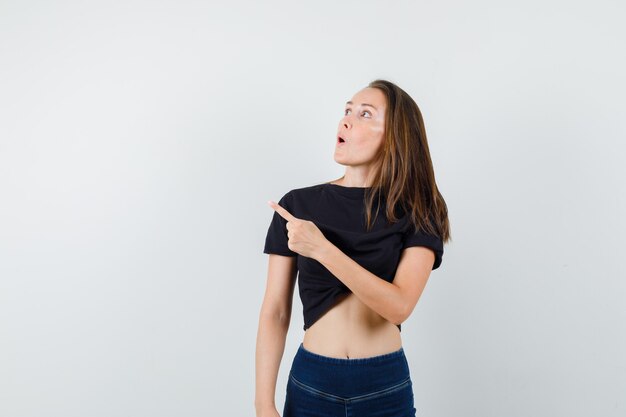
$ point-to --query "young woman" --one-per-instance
(363, 247)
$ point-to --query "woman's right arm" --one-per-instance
(274, 320)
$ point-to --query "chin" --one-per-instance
(340, 160)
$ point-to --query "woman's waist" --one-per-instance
(351, 339)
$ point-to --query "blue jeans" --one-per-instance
(323, 386)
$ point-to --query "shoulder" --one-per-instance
(300, 197)
(306, 192)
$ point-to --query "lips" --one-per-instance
(340, 139)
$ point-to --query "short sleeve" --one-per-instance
(276, 238)
(420, 238)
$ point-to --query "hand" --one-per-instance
(304, 236)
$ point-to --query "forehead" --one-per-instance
(369, 95)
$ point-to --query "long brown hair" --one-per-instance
(405, 176)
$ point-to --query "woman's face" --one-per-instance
(361, 130)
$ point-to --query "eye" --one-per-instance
(362, 113)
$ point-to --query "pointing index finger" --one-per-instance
(282, 211)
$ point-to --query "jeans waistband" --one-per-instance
(379, 359)
(349, 377)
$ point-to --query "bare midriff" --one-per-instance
(350, 330)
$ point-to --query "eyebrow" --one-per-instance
(364, 104)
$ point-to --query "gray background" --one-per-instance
(140, 141)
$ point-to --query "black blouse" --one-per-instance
(339, 213)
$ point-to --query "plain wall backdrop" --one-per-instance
(141, 140)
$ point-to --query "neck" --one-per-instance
(355, 177)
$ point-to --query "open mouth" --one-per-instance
(340, 139)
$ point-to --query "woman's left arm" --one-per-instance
(394, 301)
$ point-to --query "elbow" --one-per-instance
(401, 315)
(277, 321)
(276, 315)
(403, 312)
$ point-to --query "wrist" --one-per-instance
(268, 405)
(325, 251)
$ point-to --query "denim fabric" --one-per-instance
(323, 386)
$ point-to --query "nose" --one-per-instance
(345, 121)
